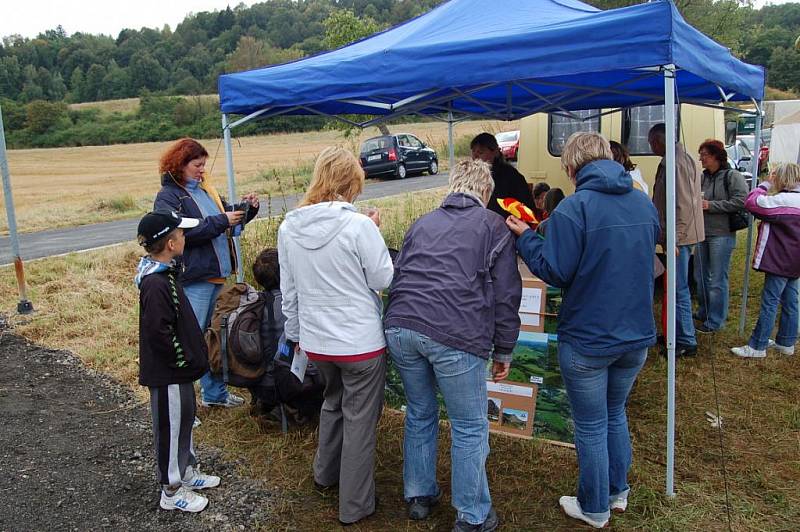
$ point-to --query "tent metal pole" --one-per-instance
(226, 135)
(450, 148)
(669, 123)
(24, 306)
(749, 248)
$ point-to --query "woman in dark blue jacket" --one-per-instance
(208, 258)
(598, 247)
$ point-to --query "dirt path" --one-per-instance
(76, 454)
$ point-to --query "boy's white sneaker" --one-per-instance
(572, 508)
(232, 401)
(619, 505)
(195, 480)
(184, 500)
(748, 352)
(782, 349)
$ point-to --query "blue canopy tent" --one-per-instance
(464, 59)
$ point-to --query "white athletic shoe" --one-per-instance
(619, 505)
(748, 352)
(572, 508)
(195, 480)
(782, 349)
(184, 500)
(197, 422)
(232, 401)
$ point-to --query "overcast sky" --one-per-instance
(31, 17)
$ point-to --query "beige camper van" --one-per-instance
(542, 137)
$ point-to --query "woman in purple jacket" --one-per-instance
(453, 304)
(778, 256)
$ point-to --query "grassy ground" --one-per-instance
(87, 303)
(102, 183)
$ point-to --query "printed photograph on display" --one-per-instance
(535, 360)
(514, 418)
(495, 405)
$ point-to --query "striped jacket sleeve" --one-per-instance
(778, 208)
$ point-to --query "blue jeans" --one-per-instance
(202, 296)
(711, 266)
(781, 290)
(598, 389)
(423, 364)
(684, 326)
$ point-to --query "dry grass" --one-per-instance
(123, 106)
(87, 303)
(70, 182)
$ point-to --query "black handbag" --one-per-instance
(739, 219)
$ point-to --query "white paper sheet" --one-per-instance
(299, 364)
(531, 300)
(531, 320)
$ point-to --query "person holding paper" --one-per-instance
(453, 304)
(333, 262)
(598, 247)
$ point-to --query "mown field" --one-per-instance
(63, 187)
(87, 303)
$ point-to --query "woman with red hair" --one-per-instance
(208, 258)
(724, 191)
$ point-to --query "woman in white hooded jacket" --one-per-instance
(333, 261)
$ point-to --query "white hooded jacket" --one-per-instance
(333, 260)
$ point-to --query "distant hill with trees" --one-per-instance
(166, 67)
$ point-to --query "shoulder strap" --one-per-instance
(726, 180)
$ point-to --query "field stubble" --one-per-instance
(64, 187)
(87, 303)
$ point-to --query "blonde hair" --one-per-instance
(473, 177)
(787, 176)
(337, 177)
(584, 147)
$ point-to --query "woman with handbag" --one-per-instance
(724, 191)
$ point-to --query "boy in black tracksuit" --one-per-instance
(172, 355)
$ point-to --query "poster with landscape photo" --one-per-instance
(536, 361)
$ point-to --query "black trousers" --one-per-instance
(173, 408)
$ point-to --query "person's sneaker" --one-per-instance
(232, 401)
(572, 508)
(748, 352)
(618, 505)
(197, 422)
(491, 523)
(195, 480)
(681, 351)
(184, 500)
(703, 329)
(420, 507)
(782, 349)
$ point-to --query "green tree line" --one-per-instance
(39, 76)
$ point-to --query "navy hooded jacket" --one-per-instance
(598, 247)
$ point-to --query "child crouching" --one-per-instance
(172, 354)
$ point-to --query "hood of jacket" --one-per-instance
(313, 226)
(604, 176)
(148, 266)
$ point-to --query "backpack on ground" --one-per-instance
(234, 336)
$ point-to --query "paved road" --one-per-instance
(60, 241)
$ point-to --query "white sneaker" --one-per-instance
(185, 500)
(195, 480)
(748, 352)
(619, 505)
(197, 422)
(232, 401)
(572, 508)
(782, 349)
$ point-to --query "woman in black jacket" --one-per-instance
(508, 182)
(208, 258)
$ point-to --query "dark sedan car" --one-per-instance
(397, 155)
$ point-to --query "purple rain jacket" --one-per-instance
(778, 245)
(456, 280)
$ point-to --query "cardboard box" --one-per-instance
(512, 407)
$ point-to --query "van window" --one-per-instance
(559, 128)
(636, 124)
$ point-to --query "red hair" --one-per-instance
(716, 149)
(178, 156)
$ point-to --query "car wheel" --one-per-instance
(401, 171)
(433, 168)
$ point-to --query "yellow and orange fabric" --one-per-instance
(518, 209)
